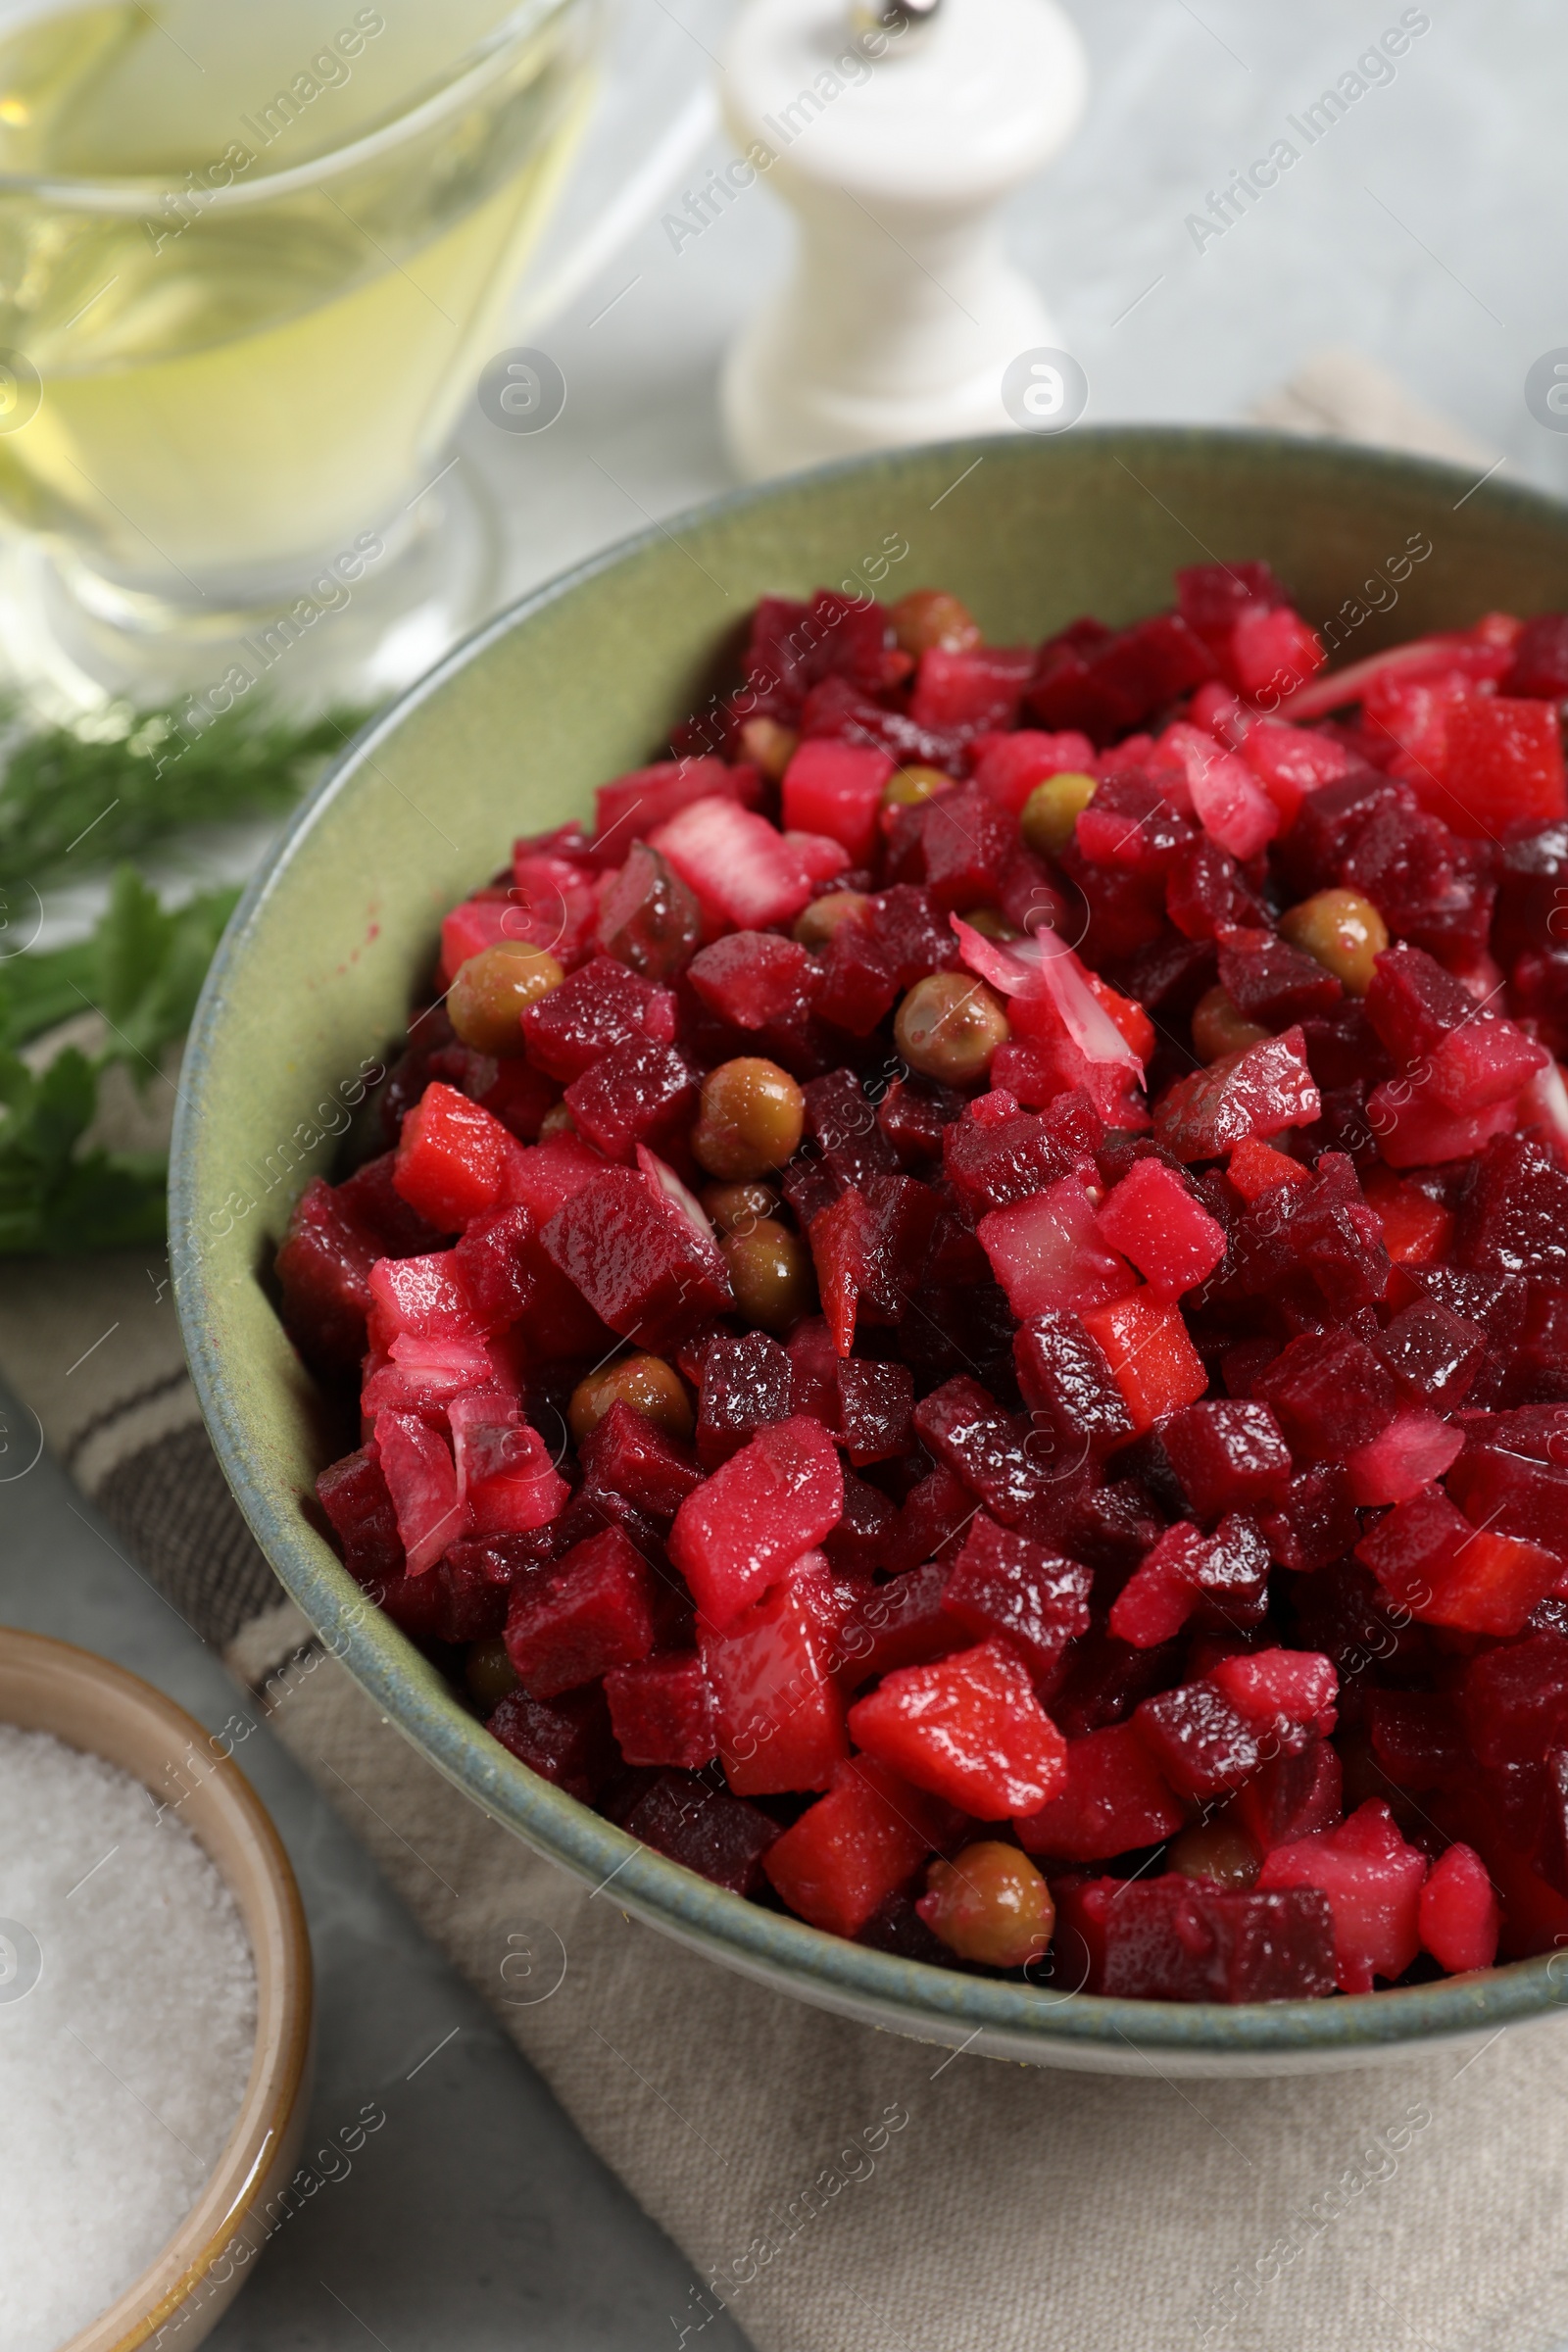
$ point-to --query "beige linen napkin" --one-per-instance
(837, 2189)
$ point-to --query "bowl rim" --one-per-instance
(918, 1996)
(271, 2103)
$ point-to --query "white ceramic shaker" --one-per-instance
(894, 128)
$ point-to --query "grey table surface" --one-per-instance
(1426, 232)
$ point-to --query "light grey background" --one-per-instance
(1427, 231)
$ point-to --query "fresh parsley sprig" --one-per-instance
(140, 972)
(75, 799)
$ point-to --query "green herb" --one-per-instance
(142, 971)
(91, 799)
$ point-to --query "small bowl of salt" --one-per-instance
(155, 2012)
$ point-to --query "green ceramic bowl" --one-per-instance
(586, 678)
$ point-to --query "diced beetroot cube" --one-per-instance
(634, 804)
(1273, 649)
(633, 1457)
(1205, 892)
(662, 1711)
(637, 1258)
(747, 876)
(1324, 1228)
(767, 1504)
(934, 1513)
(453, 1602)
(1295, 1687)
(967, 692)
(1482, 1064)
(545, 1176)
(1373, 1881)
(1294, 1795)
(1255, 1168)
(426, 1297)
(1539, 663)
(473, 926)
(1176, 1939)
(989, 1449)
(842, 1119)
(1203, 1745)
(1009, 765)
(701, 1827)
(1270, 981)
(755, 980)
(1107, 686)
(498, 1265)
(747, 1383)
(1415, 1228)
(1003, 1584)
(1433, 1354)
(507, 1481)
(836, 788)
(600, 1006)
(966, 838)
(422, 1482)
(1230, 1456)
(1330, 1392)
(453, 1159)
(778, 1715)
(813, 1372)
(860, 1541)
(647, 918)
(1516, 1213)
(636, 1094)
(1429, 1558)
(1259, 1090)
(1152, 1358)
(1291, 761)
(1416, 1448)
(1502, 768)
(1413, 1003)
(914, 1116)
(1211, 597)
(1114, 1799)
(1275, 1946)
(1047, 1252)
(1316, 1523)
(566, 1740)
(875, 1409)
(857, 1845)
(593, 1509)
(993, 1163)
(859, 979)
(1496, 1488)
(1068, 1383)
(353, 1494)
(554, 903)
(1162, 1590)
(1515, 1702)
(899, 1623)
(969, 1728)
(907, 1215)
(1418, 1737)
(322, 1269)
(1152, 1218)
(845, 1251)
(1461, 1917)
(595, 1611)
(1233, 1577)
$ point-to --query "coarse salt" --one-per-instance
(128, 2024)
